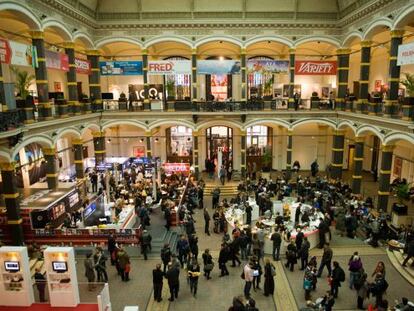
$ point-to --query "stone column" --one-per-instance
(95, 80)
(343, 70)
(147, 103)
(42, 83)
(73, 103)
(289, 150)
(337, 153)
(148, 135)
(78, 153)
(391, 103)
(2, 93)
(358, 162)
(195, 155)
(194, 77)
(10, 195)
(362, 104)
(51, 167)
(291, 101)
(384, 177)
(99, 146)
(243, 147)
(243, 78)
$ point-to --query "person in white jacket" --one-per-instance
(248, 277)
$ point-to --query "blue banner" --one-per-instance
(218, 67)
(121, 68)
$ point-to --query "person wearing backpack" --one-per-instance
(269, 274)
(338, 276)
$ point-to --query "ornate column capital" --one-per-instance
(93, 52)
(366, 44)
(69, 45)
(397, 33)
(292, 50)
(37, 34)
(343, 51)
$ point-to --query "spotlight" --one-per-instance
(156, 140)
(74, 30)
(43, 17)
(189, 139)
(221, 41)
(221, 58)
(360, 30)
(141, 140)
(108, 141)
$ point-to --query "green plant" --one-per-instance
(170, 87)
(23, 80)
(402, 192)
(267, 158)
(408, 83)
(267, 87)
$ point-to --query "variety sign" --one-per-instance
(83, 66)
(218, 67)
(121, 68)
(169, 67)
(405, 54)
(304, 67)
(267, 66)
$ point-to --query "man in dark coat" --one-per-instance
(299, 239)
(207, 219)
(223, 258)
(111, 248)
(166, 255)
(157, 277)
(304, 253)
(173, 277)
(248, 210)
(277, 241)
(410, 253)
(326, 260)
(338, 276)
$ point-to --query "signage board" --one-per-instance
(305, 67)
(121, 68)
(267, 66)
(169, 67)
(218, 67)
(405, 54)
(83, 66)
(55, 60)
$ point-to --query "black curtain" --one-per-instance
(208, 87)
(229, 86)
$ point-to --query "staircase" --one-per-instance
(228, 190)
(170, 237)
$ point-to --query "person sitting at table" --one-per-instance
(296, 166)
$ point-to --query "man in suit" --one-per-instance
(157, 279)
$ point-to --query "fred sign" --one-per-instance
(169, 67)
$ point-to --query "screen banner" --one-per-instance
(83, 66)
(169, 67)
(316, 67)
(267, 66)
(405, 54)
(121, 68)
(55, 60)
(218, 67)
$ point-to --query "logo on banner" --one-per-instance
(169, 67)
(83, 66)
(315, 68)
(405, 54)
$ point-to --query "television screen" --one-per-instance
(59, 266)
(107, 96)
(12, 266)
(89, 210)
(57, 210)
(73, 199)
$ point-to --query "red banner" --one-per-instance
(83, 66)
(5, 51)
(305, 67)
(55, 60)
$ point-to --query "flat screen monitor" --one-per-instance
(59, 266)
(12, 266)
(107, 95)
(89, 210)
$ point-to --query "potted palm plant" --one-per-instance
(267, 161)
(402, 192)
(408, 83)
(267, 89)
(170, 88)
(23, 80)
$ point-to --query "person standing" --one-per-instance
(291, 255)
(378, 288)
(326, 260)
(276, 238)
(41, 284)
(222, 260)
(183, 249)
(193, 274)
(208, 263)
(354, 267)
(304, 253)
(173, 277)
(94, 181)
(248, 209)
(338, 276)
(112, 248)
(258, 271)
(89, 271)
(100, 265)
(314, 168)
(146, 239)
(269, 274)
(207, 219)
(248, 278)
(157, 279)
(299, 239)
(166, 256)
(215, 197)
(222, 175)
(362, 288)
(167, 216)
(124, 264)
(410, 253)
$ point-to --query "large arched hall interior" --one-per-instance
(226, 155)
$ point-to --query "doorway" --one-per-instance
(351, 153)
(220, 139)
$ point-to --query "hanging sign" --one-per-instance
(121, 68)
(83, 66)
(267, 66)
(305, 67)
(5, 51)
(55, 60)
(22, 54)
(405, 54)
(169, 67)
(218, 67)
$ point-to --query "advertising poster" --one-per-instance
(219, 87)
(119, 68)
(305, 67)
(83, 66)
(35, 166)
(21, 54)
(139, 151)
(218, 67)
(5, 51)
(169, 67)
(155, 91)
(398, 162)
(267, 66)
(57, 61)
(405, 54)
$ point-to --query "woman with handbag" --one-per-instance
(208, 263)
(269, 274)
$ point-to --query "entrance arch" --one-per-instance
(219, 146)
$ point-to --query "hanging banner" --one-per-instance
(55, 60)
(83, 66)
(169, 67)
(305, 67)
(405, 54)
(136, 91)
(267, 66)
(21, 54)
(5, 51)
(121, 68)
(218, 67)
